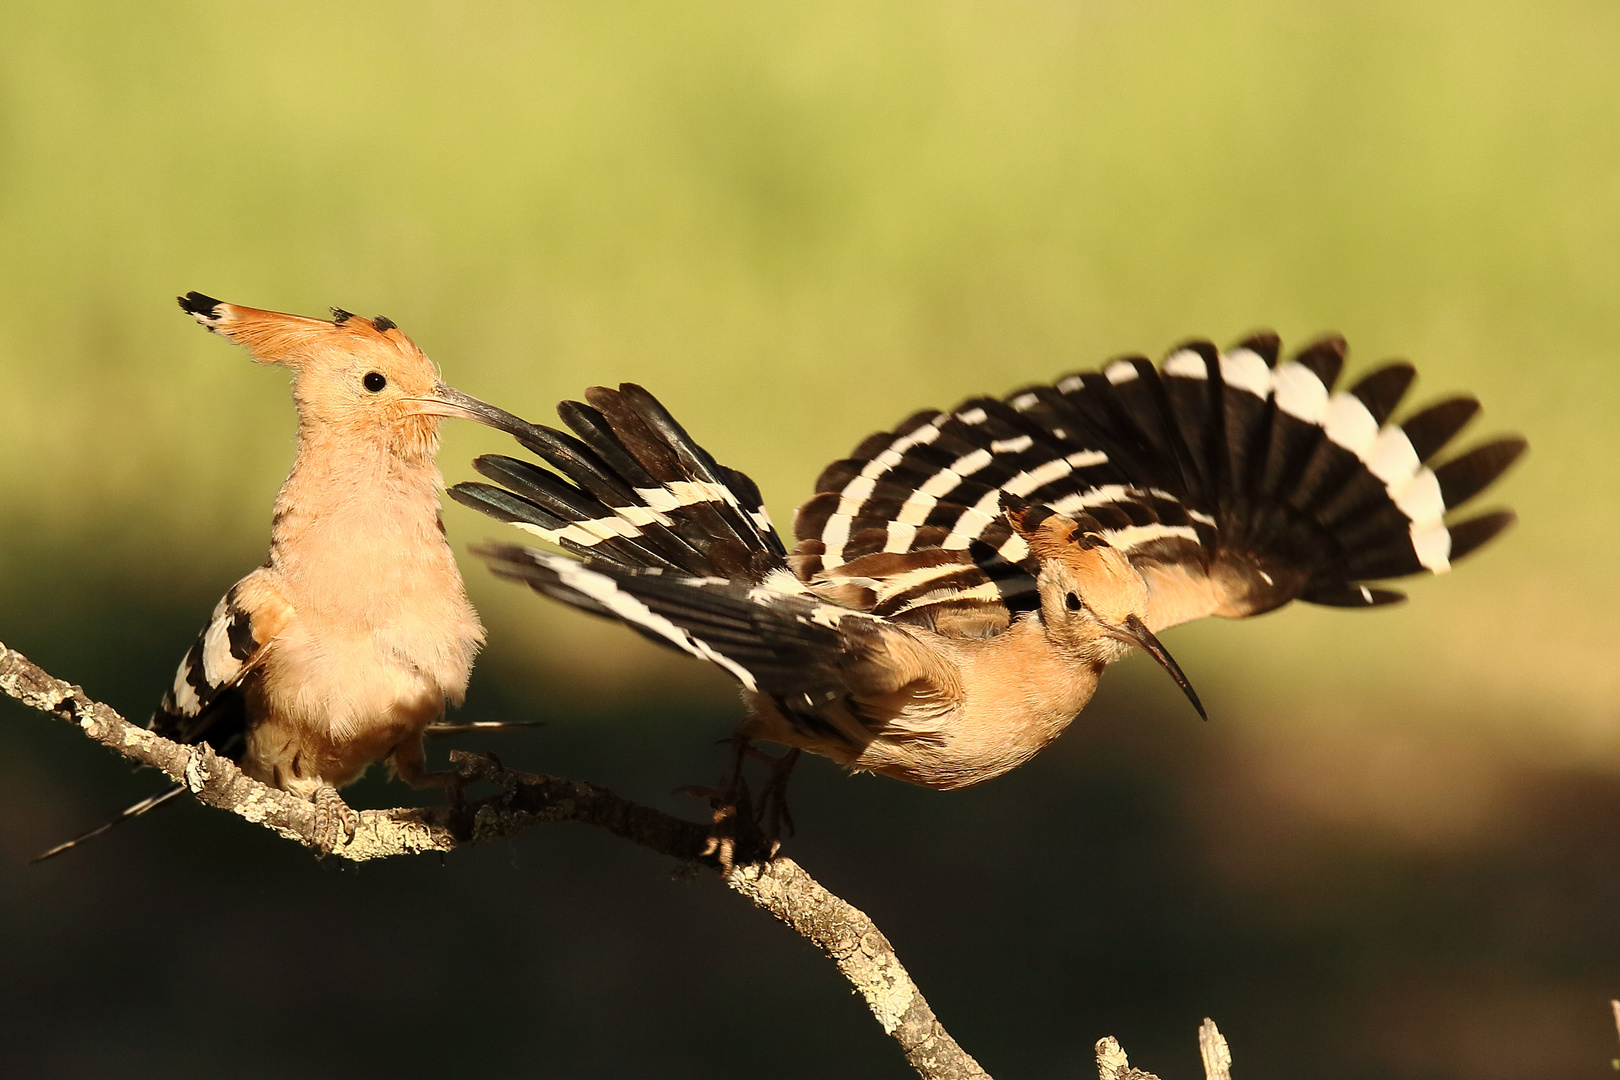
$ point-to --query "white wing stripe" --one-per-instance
(914, 511)
(1120, 371)
(642, 516)
(1244, 369)
(1040, 476)
(219, 666)
(1420, 499)
(1350, 425)
(1433, 547)
(1299, 392)
(1393, 460)
(1187, 365)
(571, 533)
(1133, 535)
(606, 592)
(899, 537)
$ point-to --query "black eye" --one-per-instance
(1072, 602)
(374, 381)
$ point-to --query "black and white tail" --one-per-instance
(1247, 481)
(635, 492)
(204, 703)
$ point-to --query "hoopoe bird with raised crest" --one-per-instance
(960, 583)
(349, 641)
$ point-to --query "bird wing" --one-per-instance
(634, 490)
(681, 549)
(1232, 483)
(804, 653)
(206, 699)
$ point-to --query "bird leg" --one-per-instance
(334, 818)
(774, 819)
(741, 825)
(729, 803)
(409, 762)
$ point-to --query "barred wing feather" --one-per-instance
(1232, 482)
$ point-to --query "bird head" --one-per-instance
(355, 377)
(1093, 601)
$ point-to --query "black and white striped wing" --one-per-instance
(788, 645)
(205, 703)
(1234, 483)
(911, 527)
(631, 488)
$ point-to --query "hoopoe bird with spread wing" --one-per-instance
(348, 642)
(960, 583)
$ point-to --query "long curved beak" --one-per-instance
(1135, 632)
(448, 401)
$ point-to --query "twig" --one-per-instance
(1112, 1064)
(1615, 1005)
(780, 886)
(1212, 1047)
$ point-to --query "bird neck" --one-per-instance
(334, 466)
(1080, 643)
(356, 505)
(410, 441)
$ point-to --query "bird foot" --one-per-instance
(335, 820)
(721, 844)
(743, 829)
(725, 833)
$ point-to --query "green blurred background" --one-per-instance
(1390, 854)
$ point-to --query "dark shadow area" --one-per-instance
(1116, 885)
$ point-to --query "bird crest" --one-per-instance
(362, 378)
(1107, 582)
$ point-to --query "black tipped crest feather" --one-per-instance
(199, 305)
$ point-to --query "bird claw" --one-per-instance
(335, 820)
(742, 829)
(721, 845)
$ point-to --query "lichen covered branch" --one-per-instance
(853, 942)
(780, 886)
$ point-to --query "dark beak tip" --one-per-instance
(1144, 638)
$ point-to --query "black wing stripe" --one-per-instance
(1205, 453)
(634, 490)
(786, 645)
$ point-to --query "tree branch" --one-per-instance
(780, 886)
